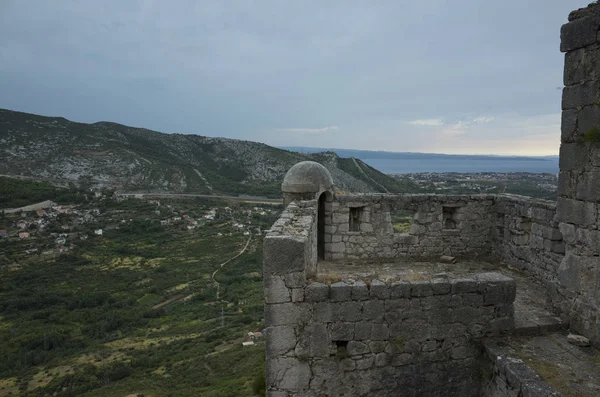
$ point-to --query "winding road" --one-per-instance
(227, 261)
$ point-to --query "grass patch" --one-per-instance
(592, 136)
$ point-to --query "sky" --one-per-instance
(443, 76)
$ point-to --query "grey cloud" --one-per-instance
(250, 69)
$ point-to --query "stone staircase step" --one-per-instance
(537, 326)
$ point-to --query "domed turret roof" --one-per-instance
(307, 177)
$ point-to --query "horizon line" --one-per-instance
(443, 154)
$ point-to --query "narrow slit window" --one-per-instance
(355, 218)
(341, 348)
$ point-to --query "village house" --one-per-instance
(61, 249)
(41, 212)
(22, 224)
(255, 335)
(3, 233)
(23, 235)
(98, 232)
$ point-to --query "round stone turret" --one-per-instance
(305, 180)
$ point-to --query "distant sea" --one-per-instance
(406, 163)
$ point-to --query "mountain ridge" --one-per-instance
(108, 154)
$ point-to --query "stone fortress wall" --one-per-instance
(354, 339)
(424, 337)
(360, 227)
(578, 204)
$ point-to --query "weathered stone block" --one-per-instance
(400, 289)
(365, 362)
(569, 270)
(568, 127)
(297, 294)
(347, 364)
(536, 242)
(275, 290)
(285, 313)
(567, 184)
(313, 341)
(379, 331)
(575, 211)
(360, 291)
(463, 285)
(500, 325)
(379, 290)
(288, 374)
(350, 311)
(340, 291)
(590, 239)
(356, 348)
(283, 255)
(579, 66)
(341, 331)
(440, 286)
(295, 279)
(373, 310)
(316, 292)
(362, 330)
(472, 299)
(578, 96)
(573, 156)
(558, 248)
(381, 360)
(588, 187)
(280, 340)
(402, 360)
(416, 229)
(587, 119)
(366, 227)
(578, 33)
(323, 312)
(420, 288)
(276, 393)
(335, 247)
(377, 346)
(520, 239)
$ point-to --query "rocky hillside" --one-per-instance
(132, 159)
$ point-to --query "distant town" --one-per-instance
(530, 184)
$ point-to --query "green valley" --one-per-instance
(116, 297)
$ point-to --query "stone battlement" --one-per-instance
(333, 331)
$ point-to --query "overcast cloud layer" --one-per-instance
(460, 76)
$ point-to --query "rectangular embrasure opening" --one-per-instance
(401, 220)
(356, 214)
(450, 220)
